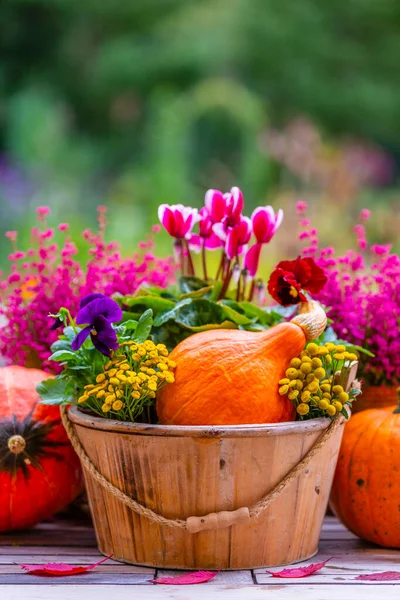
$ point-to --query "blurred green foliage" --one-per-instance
(138, 102)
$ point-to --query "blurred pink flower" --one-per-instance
(177, 219)
(365, 214)
(266, 223)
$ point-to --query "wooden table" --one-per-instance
(71, 541)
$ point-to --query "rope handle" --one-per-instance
(213, 520)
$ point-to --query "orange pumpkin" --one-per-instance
(39, 471)
(366, 492)
(230, 377)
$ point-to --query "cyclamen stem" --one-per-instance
(252, 288)
(220, 267)
(204, 260)
(227, 280)
(189, 259)
(238, 291)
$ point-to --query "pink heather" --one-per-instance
(43, 211)
(301, 207)
(51, 277)
(363, 296)
(365, 215)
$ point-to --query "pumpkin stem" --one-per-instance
(397, 409)
(311, 318)
(16, 444)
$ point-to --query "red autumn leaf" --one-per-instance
(382, 576)
(59, 569)
(300, 571)
(187, 578)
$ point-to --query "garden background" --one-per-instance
(130, 104)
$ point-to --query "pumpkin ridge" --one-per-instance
(353, 463)
(370, 473)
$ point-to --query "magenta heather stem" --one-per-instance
(204, 260)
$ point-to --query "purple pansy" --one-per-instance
(97, 312)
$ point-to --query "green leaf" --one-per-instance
(235, 316)
(139, 304)
(144, 326)
(168, 315)
(265, 316)
(198, 293)
(60, 345)
(354, 348)
(191, 284)
(209, 326)
(69, 333)
(194, 313)
(54, 391)
(233, 304)
(254, 327)
(217, 287)
(63, 355)
(130, 325)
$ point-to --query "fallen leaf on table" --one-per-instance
(300, 571)
(60, 569)
(383, 576)
(187, 578)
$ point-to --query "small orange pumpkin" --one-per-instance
(230, 377)
(39, 470)
(365, 492)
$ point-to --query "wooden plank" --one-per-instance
(40, 559)
(49, 538)
(13, 568)
(237, 578)
(197, 592)
(94, 578)
(50, 551)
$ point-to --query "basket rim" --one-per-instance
(78, 417)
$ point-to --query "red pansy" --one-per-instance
(291, 277)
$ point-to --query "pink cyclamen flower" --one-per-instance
(234, 204)
(266, 223)
(177, 219)
(215, 204)
(206, 237)
(237, 238)
(252, 259)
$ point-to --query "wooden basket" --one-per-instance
(180, 471)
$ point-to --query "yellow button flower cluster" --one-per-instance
(129, 380)
(311, 384)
